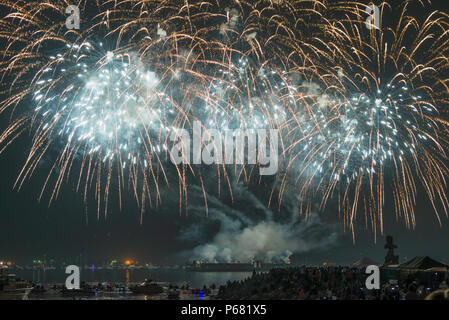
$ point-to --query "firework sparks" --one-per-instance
(382, 125)
(358, 110)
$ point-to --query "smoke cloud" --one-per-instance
(254, 232)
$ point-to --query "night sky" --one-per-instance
(30, 229)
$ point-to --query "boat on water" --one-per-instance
(85, 290)
(13, 288)
(148, 287)
(173, 295)
(38, 289)
(82, 292)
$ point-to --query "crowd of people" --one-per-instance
(330, 283)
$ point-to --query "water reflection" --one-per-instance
(193, 279)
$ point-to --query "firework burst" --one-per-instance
(357, 110)
(106, 109)
(383, 125)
